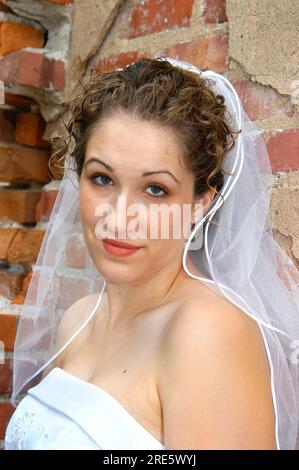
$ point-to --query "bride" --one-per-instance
(162, 357)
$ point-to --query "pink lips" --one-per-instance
(115, 247)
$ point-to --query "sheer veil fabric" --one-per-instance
(239, 256)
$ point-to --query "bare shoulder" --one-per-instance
(209, 314)
(214, 381)
(75, 314)
(71, 320)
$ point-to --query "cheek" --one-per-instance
(163, 251)
(87, 206)
(169, 223)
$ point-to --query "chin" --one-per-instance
(117, 271)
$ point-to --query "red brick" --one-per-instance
(6, 237)
(261, 102)
(214, 11)
(38, 278)
(45, 206)
(5, 377)
(23, 165)
(75, 252)
(34, 289)
(15, 36)
(11, 280)
(158, 15)
(32, 69)
(29, 238)
(20, 297)
(120, 60)
(6, 410)
(209, 53)
(30, 128)
(8, 328)
(19, 204)
(283, 150)
(56, 72)
(26, 282)
(7, 125)
(19, 101)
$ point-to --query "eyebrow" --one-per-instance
(147, 173)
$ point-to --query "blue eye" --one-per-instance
(159, 189)
(95, 177)
(156, 193)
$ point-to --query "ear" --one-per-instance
(201, 205)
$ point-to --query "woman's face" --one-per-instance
(128, 161)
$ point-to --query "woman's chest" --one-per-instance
(126, 366)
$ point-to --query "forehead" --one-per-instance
(127, 140)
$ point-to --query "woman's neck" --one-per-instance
(125, 301)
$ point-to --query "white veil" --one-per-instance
(239, 256)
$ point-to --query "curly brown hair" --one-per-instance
(157, 91)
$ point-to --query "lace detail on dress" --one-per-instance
(21, 427)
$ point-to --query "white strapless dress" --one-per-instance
(65, 412)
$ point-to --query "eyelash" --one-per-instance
(151, 185)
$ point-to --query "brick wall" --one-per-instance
(192, 30)
(26, 193)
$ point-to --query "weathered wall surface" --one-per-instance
(263, 39)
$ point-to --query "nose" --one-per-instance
(122, 216)
(123, 219)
